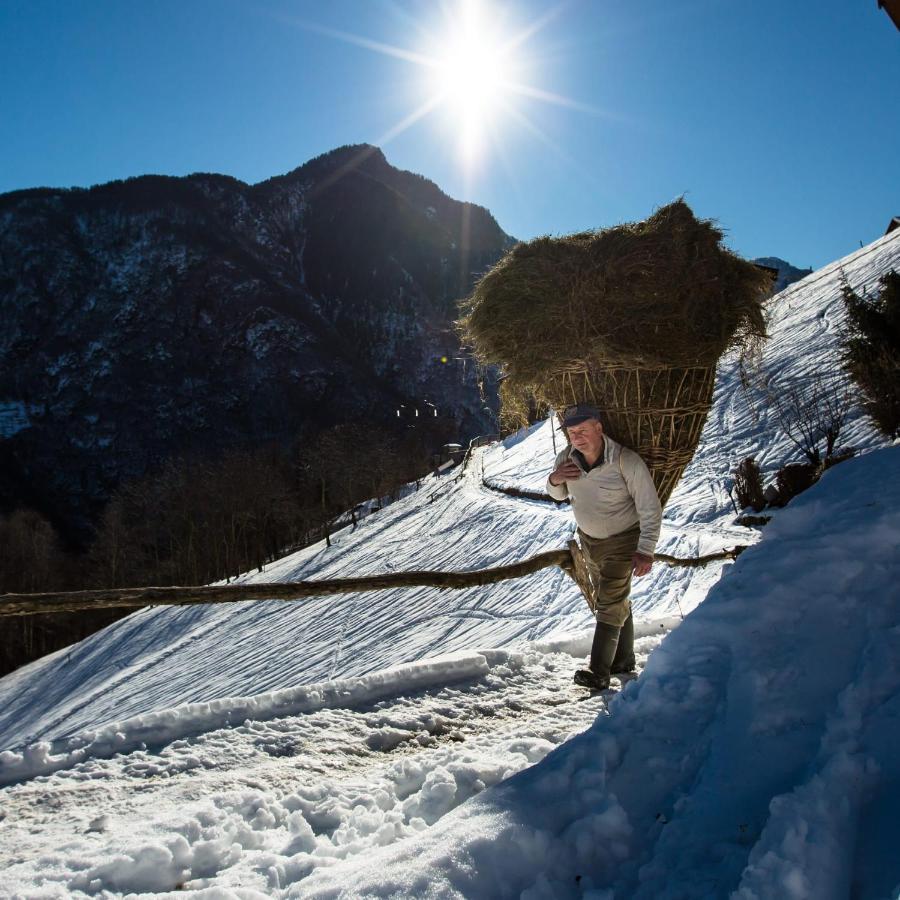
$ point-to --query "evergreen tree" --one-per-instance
(872, 350)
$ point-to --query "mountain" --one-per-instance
(161, 316)
(787, 274)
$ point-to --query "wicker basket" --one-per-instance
(658, 412)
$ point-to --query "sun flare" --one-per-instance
(475, 73)
(470, 78)
(472, 69)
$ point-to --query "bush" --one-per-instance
(872, 350)
(794, 479)
(748, 485)
(812, 411)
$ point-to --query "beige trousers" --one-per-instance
(609, 563)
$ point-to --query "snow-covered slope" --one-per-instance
(162, 657)
(198, 685)
(755, 757)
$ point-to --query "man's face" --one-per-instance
(587, 437)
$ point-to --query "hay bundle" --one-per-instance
(633, 318)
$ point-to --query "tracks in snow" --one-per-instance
(419, 754)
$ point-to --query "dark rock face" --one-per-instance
(787, 274)
(162, 316)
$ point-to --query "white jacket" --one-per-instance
(614, 496)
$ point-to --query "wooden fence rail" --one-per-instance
(568, 559)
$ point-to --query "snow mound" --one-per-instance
(163, 727)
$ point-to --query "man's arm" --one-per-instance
(646, 500)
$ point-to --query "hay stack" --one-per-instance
(633, 318)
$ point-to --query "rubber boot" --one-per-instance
(603, 652)
(624, 661)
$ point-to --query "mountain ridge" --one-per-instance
(159, 315)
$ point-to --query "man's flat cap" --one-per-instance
(580, 412)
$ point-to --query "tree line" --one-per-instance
(200, 520)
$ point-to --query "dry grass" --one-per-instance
(633, 318)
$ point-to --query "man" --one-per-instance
(619, 515)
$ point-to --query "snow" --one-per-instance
(722, 767)
(419, 742)
(262, 803)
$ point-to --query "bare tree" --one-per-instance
(30, 555)
(812, 412)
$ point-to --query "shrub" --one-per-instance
(753, 521)
(812, 411)
(794, 479)
(872, 350)
(748, 485)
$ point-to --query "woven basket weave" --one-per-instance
(658, 412)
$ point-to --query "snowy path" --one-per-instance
(219, 807)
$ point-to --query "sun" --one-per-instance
(473, 72)
(471, 76)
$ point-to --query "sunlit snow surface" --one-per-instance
(269, 748)
(756, 754)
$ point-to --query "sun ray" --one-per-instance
(405, 18)
(587, 176)
(358, 40)
(534, 27)
(428, 106)
(474, 71)
(500, 151)
(534, 93)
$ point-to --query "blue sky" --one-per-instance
(778, 118)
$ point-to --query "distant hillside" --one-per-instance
(787, 274)
(159, 316)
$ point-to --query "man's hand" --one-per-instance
(641, 563)
(568, 471)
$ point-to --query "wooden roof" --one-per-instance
(892, 8)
